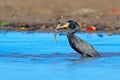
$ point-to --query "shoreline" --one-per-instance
(49, 27)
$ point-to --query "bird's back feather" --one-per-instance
(82, 46)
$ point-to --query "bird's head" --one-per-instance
(70, 25)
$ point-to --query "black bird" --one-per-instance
(78, 44)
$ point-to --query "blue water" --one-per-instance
(35, 56)
(43, 43)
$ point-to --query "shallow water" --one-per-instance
(35, 56)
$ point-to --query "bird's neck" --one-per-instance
(70, 35)
(71, 31)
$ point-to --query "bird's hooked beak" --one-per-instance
(65, 26)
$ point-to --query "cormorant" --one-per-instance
(78, 44)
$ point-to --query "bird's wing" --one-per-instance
(82, 46)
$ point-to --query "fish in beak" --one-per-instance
(59, 27)
(65, 26)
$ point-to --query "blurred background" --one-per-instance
(48, 10)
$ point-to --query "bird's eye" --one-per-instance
(72, 26)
